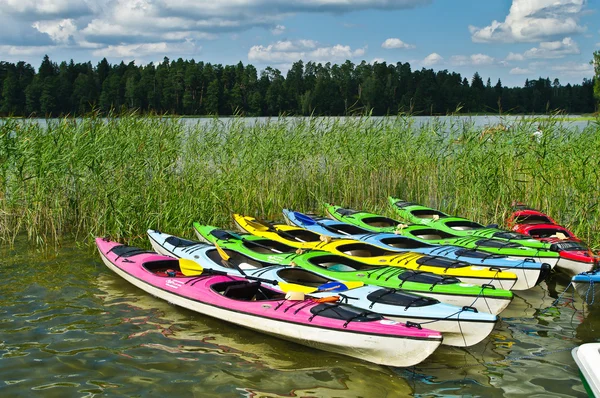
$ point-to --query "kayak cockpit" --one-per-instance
(363, 250)
(165, 268)
(338, 263)
(268, 246)
(303, 277)
(402, 242)
(380, 222)
(246, 291)
(441, 262)
(427, 214)
(464, 225)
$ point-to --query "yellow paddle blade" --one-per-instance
(190, 267)
(353, 285)
(293, 287)
(222, 253)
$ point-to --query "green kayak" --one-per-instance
(429, 234)
(445, 289)
(417, 214)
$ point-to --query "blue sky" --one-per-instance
(508, 39)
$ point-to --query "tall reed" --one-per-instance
(121, 175)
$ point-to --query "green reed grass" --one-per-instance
(121, 175)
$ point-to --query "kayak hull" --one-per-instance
(460, 327)
(384, 344)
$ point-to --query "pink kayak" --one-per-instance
(330, 326)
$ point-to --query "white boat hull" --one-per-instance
(572, 267)
(493, 306)
(456, 333)
(552, 261)
(589, 292)
(587, 358)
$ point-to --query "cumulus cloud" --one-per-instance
(123, 24)
(308, 50)
(575, 69)
(277, 30)
(36, 9)
(396, 43)
(20, 51)
(515, 57)
(547, 50)
(59, 31)
(475, 59)
(519, 71)
(143, 50)
(432, 59)
(533, 20)
(553, 49)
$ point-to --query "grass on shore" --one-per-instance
(118, 176)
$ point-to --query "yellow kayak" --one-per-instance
(303, 239)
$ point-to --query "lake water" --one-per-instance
(70, 327)
(568, 121)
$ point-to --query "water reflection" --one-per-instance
(246, 362)
(68, 326)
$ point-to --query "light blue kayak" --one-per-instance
(529, 273)
(461, 327)
(587, 285)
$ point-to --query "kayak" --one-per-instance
(575, 255)
(587, 359)
(418, 214)
(374, 255)
(378, 223)
(485, 298)
(460, 327)
(587, 285)
(529, 273)
(334, 327)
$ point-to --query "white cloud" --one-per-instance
(547, 50)
(432, 59)
(23, 50)
(396, 43)
(533, 20)
(475, 59)
(519, 71)
(337, 52)
(575, 69)
(553, 49)
(59, 31)
(50, 8)
(308, 50)
(515, 57)
(277, 30)
(377, 61)
(143, 50)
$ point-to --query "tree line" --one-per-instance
(187, 87)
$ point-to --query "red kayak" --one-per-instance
(575, 255)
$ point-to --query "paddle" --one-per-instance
(284, 286)
(260, 225)
(192, 268)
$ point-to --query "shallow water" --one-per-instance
(70, 327)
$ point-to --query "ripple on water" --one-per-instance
(68, 326)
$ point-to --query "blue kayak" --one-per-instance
(587, 285)
(529, 273)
